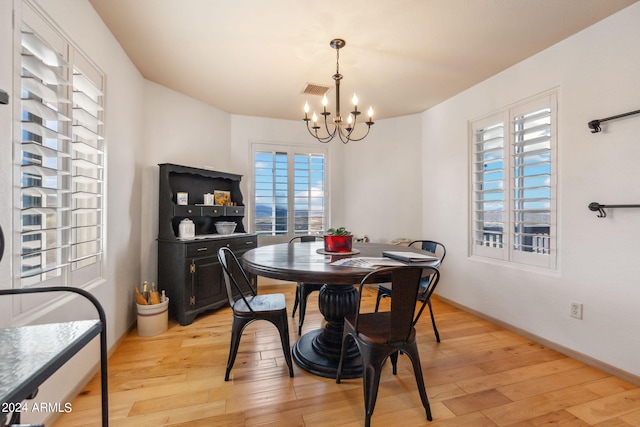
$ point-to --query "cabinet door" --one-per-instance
(206, 285)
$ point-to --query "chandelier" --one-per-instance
(344, 131)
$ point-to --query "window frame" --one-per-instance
(505, 250)
(290, 150)
(78, 200)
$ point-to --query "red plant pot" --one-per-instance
(338, 243)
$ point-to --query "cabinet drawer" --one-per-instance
(234, 210)
(241, 243)
(200, 249)
(186, 210)
(212, 210)
(211, 247)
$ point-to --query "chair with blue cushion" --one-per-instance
(426, 285)
(248, 307)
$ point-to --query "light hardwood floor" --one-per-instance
(479, 375)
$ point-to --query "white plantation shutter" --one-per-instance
(513, 184)
(45, 164)
(533, 182)
(308, 181)
(488, 187)
(271, 192)
(289, 190)
(60, 188)
(87, 165)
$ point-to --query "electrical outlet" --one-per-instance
(576, 310)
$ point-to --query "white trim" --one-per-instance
(506, 252)
(291, 149)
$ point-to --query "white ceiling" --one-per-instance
(254, 57)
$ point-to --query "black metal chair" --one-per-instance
(382, 335)
(426, 285)
(304, 289)
(248, 306)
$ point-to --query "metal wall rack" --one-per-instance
(597, 207)
(594, 125)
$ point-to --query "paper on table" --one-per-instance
(367, 262)
(382, 261)
(353, 262)
(410, 256)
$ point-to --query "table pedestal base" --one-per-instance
(318, 351)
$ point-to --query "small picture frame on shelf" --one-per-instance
(221, 197)
(182, 198)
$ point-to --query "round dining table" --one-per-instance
(318, 351)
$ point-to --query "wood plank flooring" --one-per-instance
(479, 375)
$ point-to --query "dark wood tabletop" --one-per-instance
(318, 351)
(301, 262)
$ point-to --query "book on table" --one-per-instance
(410, 256)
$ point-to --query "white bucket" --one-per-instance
(153, 319)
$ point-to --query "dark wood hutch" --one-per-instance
(188, 269)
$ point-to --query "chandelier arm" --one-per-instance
(345, 135)
(314, 133)
(356, 139)
(326, 127)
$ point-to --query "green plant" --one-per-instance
(341, 231)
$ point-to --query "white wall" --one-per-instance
(382, 181)
(180, 130)
(596, 72)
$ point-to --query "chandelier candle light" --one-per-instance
(342, 130)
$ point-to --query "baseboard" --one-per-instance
(588, 360)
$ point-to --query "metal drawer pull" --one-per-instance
(202, 249)
(248, 243)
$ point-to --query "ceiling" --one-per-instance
(255, 57)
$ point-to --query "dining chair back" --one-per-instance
(432, 246)
(383, 335)
(426, 285)
(248, 307)
(304, 289)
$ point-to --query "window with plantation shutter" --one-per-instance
(87, 165)
(271, 192)
(514, 184)
(59, 160)
(308, 182)
(289, 191)
(488, 185)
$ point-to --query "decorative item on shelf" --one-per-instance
(344, 131)
(182, 198)
(221, 197)
(186, 229)
(338, 240)
(208, 199)
(225, 227)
